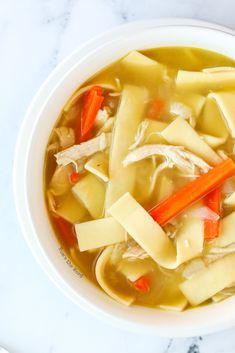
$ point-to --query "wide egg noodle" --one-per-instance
(128, 117)
(209, 281)
(142, 67)
(98, 233)
(101, 279)
(226, 104)
(206, 80)
(213, 141)
(180, 133)
(151, 237)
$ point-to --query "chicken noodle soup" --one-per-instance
(139, 178)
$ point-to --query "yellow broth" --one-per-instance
(164, 283)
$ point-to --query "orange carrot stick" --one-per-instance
(66, 230)
(192, 192)
(92, 103)
(212, 200)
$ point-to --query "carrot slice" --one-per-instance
(192, 192)
(67, 232)
(92, 103)
(74, 177)
(156, 108)
(213, 201)
(142, 284)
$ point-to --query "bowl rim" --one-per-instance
(20, 159)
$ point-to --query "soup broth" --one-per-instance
(139, 178)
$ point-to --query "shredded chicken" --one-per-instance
(118, 250)
(182, 110)
(139, 137)
(85, 149)
(134, 252)
(175, 155)
(156, 173)
(60, 183)
(53, 147)
(66, 136)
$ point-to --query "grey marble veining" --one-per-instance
(35, 35)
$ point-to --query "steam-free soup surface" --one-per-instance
(139, 178)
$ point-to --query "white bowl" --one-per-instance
(28, 173)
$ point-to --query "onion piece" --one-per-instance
(154, 177)
(180, 109)
(101, 118)
(204, 213)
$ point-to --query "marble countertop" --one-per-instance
(35, 35)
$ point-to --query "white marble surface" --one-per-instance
(35, 35)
